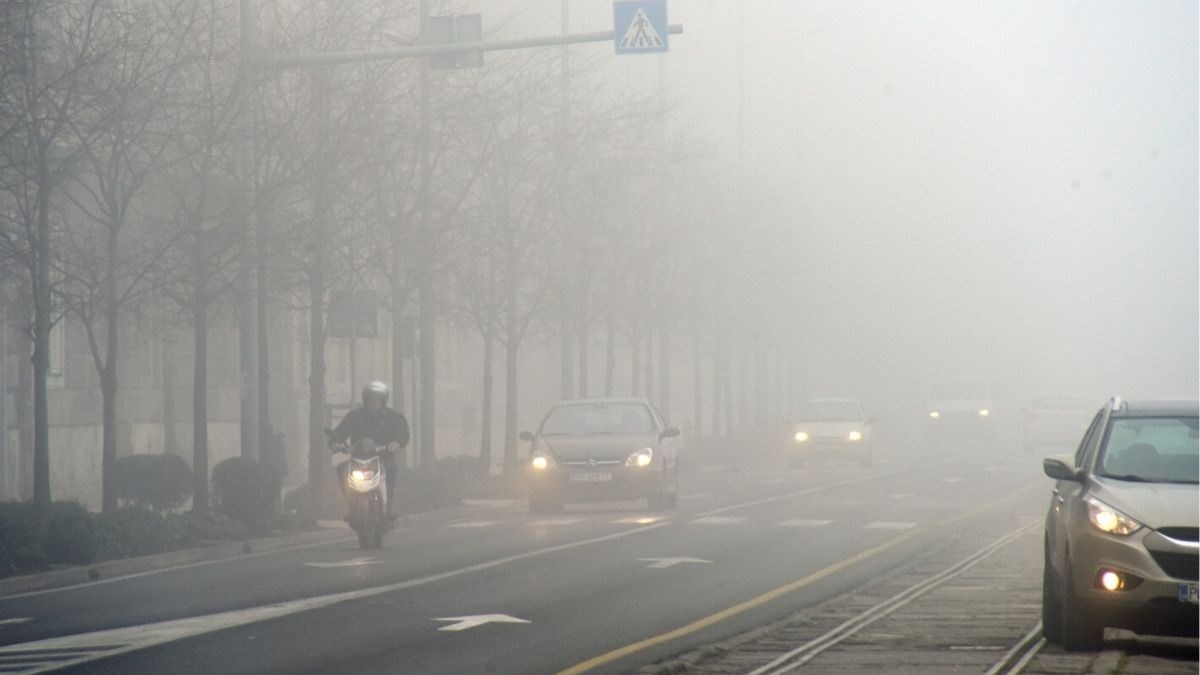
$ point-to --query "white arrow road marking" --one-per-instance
(355, 562)
(800, 522)
(17, 620)
(886, 525)
(663, 563)
(475, 523)
(718, 520)
(465, 622)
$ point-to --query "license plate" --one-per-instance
(1188, 593)
(591, 477)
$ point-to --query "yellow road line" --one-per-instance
(771, 595)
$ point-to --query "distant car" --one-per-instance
(831, 428)
(1121, 539)
(960, 409)
(1055, 422)
(589, 450)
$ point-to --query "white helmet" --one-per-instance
(375, 388)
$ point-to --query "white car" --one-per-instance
(831, 428)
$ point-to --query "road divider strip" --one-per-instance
(775, 594)
(804, 653)
(1015, 659)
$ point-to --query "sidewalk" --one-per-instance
(967, 624)
(331, 531)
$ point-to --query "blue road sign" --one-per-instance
(640, 26)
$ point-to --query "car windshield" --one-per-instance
(1151, 450)
(830, 411)
(628, 419)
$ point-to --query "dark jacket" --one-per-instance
(384, 426)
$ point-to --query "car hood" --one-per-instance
(572, 448)
(830, 429)
(1152, 504)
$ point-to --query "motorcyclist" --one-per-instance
(374, 420)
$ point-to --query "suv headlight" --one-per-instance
(1107, 519)
(641, 458)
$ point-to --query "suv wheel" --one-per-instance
(1051, 603)
(1081, 632)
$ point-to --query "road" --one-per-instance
(599, 588)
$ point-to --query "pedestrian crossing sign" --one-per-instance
(640, 26)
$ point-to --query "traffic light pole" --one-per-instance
(333, 58)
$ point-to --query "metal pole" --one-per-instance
(330, 58)
(248, 302)
(4, 393)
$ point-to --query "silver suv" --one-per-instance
(1121, 546)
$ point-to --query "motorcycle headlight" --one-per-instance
(855, 435)
(933, 414)
(358, 474)
(801, 437)
(985, 412)
(1107, 519)
(641, 458)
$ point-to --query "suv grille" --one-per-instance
(1178, 565)
(1181, 533)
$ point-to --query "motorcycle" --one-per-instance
(365, 491)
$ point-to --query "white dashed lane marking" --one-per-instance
(718, 520)
(551, 522)
(639, 520)
(800, 522)
(888, 525)
(474, 523)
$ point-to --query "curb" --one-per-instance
(112, 569)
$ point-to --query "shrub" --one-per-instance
(247, 492)
(70, 534)
(160, 482)
(20, 546)
(133, 531)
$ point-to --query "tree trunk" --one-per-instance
(41, 343)
(635, 355)
(24, 419)
(664, 374)
(649, 361)
(610, 354)
(510, 403)
(108, 392)
(170, 437)
(428, 340)
(583, 359)
(200, 403)
(400, 337)
(485, 431)
(4, 414)
(566, 361)
(697, 385)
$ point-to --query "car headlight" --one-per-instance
(1107, 519)
(985, 412)
(540, 462)
(933, 415)
(801, 437)
(855, 436)
(641, 458)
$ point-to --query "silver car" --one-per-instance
(1121, 545)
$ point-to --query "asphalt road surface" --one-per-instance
(599, 588)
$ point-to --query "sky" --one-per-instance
(998, 189)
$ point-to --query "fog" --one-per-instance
(1002, 190)
(801, 199)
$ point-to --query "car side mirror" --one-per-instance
(1060, 470)
(525, 436)
(669, 433)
